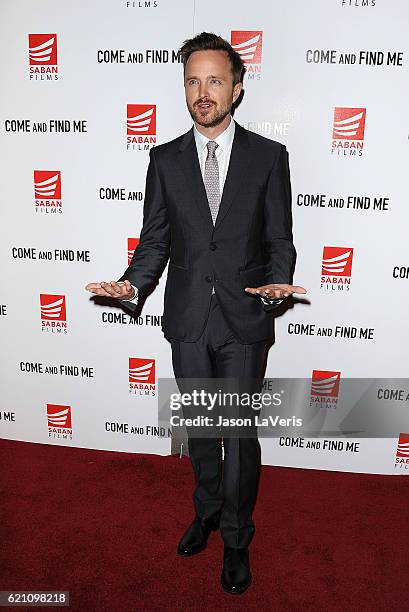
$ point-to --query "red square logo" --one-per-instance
(141, 119)
(53, 307)
(47, 184)
(132, 244)
(248, 44)
(42, 49)
(403, 445)
(59, 416)
(325, 383)
(337, 261)
(141, 370)
(349, 123)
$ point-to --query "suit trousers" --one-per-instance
(228, 486)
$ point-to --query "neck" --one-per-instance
(214, 132)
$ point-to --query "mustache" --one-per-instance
(204, 100)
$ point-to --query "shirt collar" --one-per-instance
(224, 140)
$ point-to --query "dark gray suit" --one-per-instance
(227, 334)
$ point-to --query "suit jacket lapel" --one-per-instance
(236, 173)
(189, 162)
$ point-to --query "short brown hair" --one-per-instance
(208, 41)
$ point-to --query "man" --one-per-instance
(218, 207)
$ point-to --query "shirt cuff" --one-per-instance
(135, 298)
(271, 300)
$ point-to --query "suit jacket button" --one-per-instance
(213, 246)
(208, 279)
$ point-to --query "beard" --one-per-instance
(210, 117)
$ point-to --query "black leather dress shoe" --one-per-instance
(195, 538)
(236, 575)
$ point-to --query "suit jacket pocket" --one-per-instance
(253, 277)
(177, 266)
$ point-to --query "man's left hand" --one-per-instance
(275, 291)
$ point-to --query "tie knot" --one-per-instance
(211, 148)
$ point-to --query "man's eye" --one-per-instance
(192, 82)
(215, 81)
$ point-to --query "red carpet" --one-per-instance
(105, 525)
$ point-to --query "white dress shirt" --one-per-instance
(223, 151)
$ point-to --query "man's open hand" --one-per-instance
(275, 291)
(121, 291)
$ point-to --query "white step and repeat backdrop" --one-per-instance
(329, 79)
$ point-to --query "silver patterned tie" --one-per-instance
(211, 179)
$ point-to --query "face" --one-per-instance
(209, 87)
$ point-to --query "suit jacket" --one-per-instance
(251, 243)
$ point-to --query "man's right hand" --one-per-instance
(121, 291)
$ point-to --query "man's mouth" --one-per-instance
(204, 105)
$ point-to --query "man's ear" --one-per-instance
(236, 91)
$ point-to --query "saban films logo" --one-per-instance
(140, 126)
(336, 268)
(358, 3)
(142, 4)
(47, 191)
(53, 313)
(59, 421)
(348, 131)
(402, 452)
(42, 57)
(248, 44)
(325, 388)
(142, 376)
(132, 244)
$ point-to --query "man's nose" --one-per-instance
(203, 90)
